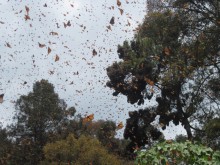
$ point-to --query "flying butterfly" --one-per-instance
(112, 21)
(94, 52)
(67, 24)
(109, 27)
(27, 9)
(27, 17)
(41, 45)
(53, 33)
(1, 98)
(48, 50)
(121, 11)
(118, 3)
(120, 126)
(57, 58)
(8, 45)
(88, 118)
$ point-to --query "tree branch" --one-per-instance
(196, 129)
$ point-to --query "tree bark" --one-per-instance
(187, 128)
(185, 121)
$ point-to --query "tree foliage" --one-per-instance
(174, 56)
(211, 136)
(84, 150)
(6, 146)
(140, 130)
(213, 128)
(39, 115)
(105, 132)
(180, 138)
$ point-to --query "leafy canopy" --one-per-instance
(39, 115)
(84, 150)
(174, 59)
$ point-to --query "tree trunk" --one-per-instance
(185, 121)
(187, 128)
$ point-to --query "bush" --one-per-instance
(170, 153)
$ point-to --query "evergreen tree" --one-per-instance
(39, 115)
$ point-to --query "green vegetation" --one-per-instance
(46, 132)
(170, 153)
(84, 150)
(39, 115)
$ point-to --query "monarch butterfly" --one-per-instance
(27, 17)
(88, 118)
(53, 33)
(120, 125)
(149, 81)
(57, 58)
(109, 27)
(1, 98)
(67, 24)
(121, 11)
(27, 9)
(112, 21)
(48, 50)
(8, 45)
(118, 3)
(41, 45)
(94, 52)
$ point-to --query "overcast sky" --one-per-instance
(22, 60)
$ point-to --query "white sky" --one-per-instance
(89, 19)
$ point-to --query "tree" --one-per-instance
(6, 146)
(106, 132)
(84, 150)
(39, 114)
(211, 135)
(174, 56)
(180, 138)
(140, 130)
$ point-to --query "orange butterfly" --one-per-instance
(121, 11)
(118, 3)
(27, 17)
(48, 50)
(41, 45)
(27, 9)
(57, 58)
(120, 126)
(88, 118)
(149, 81)
(54, 33)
